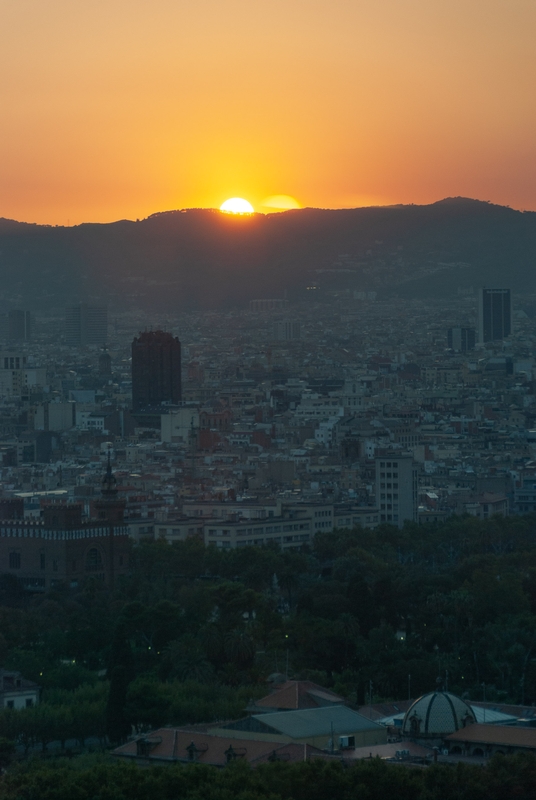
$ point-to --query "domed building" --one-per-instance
(434, 716)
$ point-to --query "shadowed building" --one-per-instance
(396, 488)
(461, 339)
(86, 325)
(494, 315)
(19, 325)
(61, 548)
(156, 369)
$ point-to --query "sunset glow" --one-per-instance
(118, 110)
(236, 205)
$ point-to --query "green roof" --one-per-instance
(317, 722)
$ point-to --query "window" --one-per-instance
(54, 565)
(42, 561)
(10, 704)
(93, 560)
(14, 561)
(29, 702)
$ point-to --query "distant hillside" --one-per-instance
(204, 259)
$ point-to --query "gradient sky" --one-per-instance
(116, 109)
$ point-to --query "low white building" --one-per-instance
(17, 692)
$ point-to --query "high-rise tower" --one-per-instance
(19, 325)
(86, 325)
(156, 369)
(494, 314)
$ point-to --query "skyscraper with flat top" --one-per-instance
(494, 314)
(156, 369)
(19, 325)
(86, 325)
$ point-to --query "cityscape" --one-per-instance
(267, 400)
(274, 427)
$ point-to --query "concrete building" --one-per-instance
(19, 325)
(396, 488)
(16, 692)
(179, 425)
(287, 331)
(461, 339)
(156, 369)
(525, 496)
(494, 314)
(86, 325)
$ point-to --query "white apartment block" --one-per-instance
(396, 488)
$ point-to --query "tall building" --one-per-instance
(19, 325)
(461, 339)
(494, 314)
(105, 364)
(286, 331)
(86, 325)
(396, 488)
(156, 369)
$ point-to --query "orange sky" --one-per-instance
(120, 108)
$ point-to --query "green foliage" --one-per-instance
(390, 607)
(100, 778)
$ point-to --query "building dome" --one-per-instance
(435, 715)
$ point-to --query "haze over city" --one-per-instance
(267, 400)
(120, 109)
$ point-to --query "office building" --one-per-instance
(396, 488)
(19, 325)
(494, 315)
(461, 339)
(105, 364)
(86, 325)
(286, 331)
(156, 369)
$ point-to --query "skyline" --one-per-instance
(125, 109)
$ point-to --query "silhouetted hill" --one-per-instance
(200, 258)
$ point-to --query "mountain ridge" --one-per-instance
(201, 259)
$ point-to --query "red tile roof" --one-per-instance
(296, 695)
(507, 735)
(178, 744)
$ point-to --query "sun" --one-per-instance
(236, 205)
